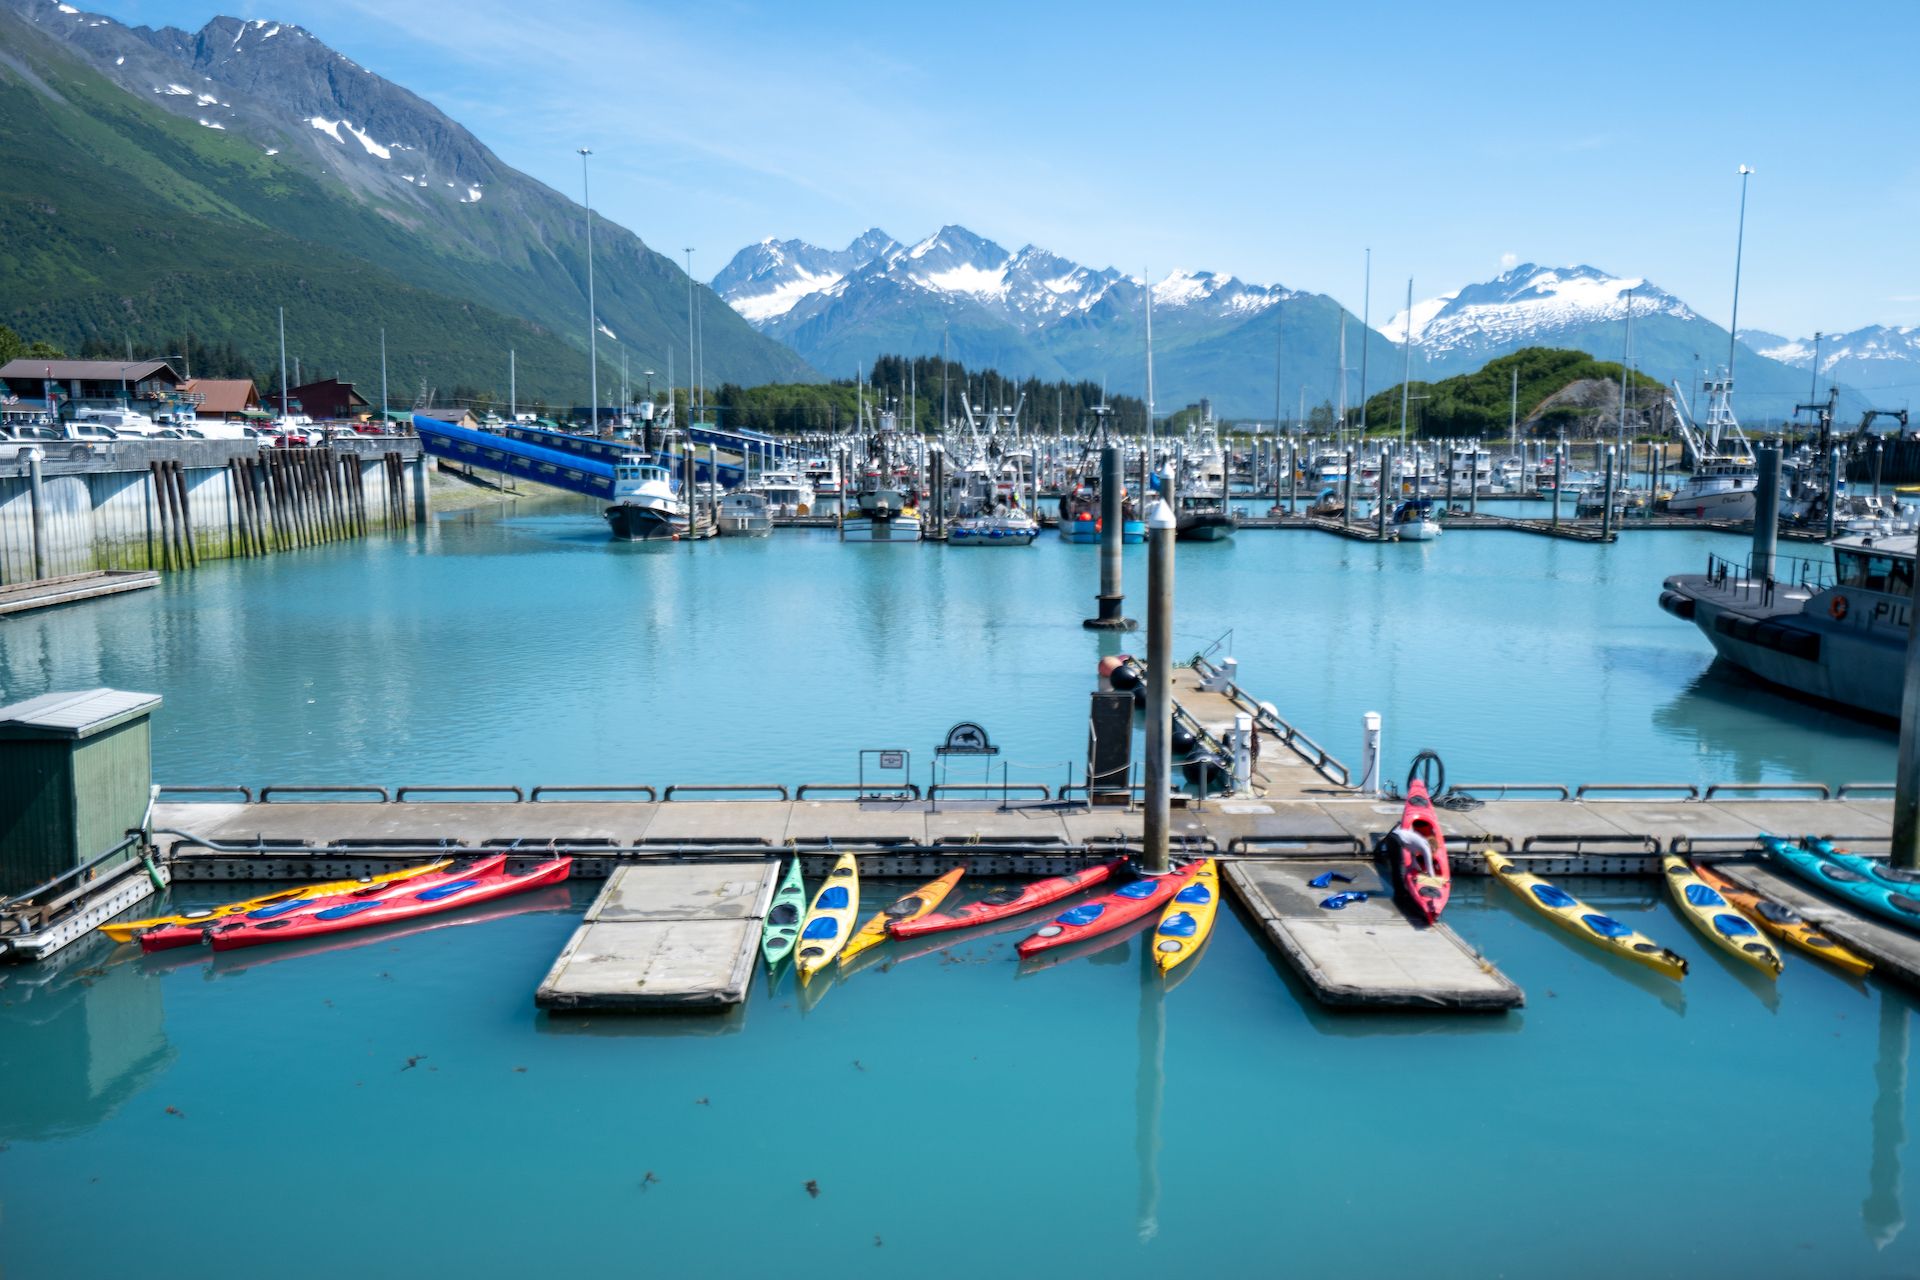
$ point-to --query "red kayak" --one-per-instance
(1103, 915)
(411, 904)
(1010, 901)
(1419, 853)
(276, 913)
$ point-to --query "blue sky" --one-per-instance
(1270, 141)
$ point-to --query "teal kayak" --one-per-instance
(782, 928)
(1838, 875)
(1878, 869)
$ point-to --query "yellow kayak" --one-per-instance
(125, 932)
(1583, 921)
(1786, 924)
(830, 919)
(1710, 913)
(912, 907)
(1188, 919)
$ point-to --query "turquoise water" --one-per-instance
(956, 1112)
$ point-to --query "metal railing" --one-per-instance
(1855, 788)
(400, 795)
(1002, 789)
(1549, 790)
(538, 793)
(1735, 577)
(1585, 789)
(1323, 761)
(381, 793)
(1819, 789)
(31, 910)
(776, 789)
(246, 793)
(860, 791)
(1624, 845)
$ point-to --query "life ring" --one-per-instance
(1837, 607)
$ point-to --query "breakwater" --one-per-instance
(171, 504)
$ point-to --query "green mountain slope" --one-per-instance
(126, 220)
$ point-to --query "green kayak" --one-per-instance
(782, 929)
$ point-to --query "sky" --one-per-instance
(1276, 142)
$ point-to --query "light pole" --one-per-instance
(690, 355)
(593, 318)
(1739, 247)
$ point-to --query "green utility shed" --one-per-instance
(76, 770)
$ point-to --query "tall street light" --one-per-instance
(1739, 246)
(593, 319)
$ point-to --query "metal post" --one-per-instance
(1559, 483)
(36, 483)
(1766, 513)
(1380, 512)
(1242, 753)
(1606, 500)
(1833, 491)
(1876, 470)
(1346, 499)
(1159, 814)
(1293, 476)
(1112, 525)
(842, 487)
(1473, 478)
(420, 488)
(1906, 794)
(1370, 754)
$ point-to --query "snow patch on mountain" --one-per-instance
(1526, 302)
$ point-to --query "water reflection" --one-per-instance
(76, 1044)
(1150, 1087)
(1880, 1212)
(1761, 732)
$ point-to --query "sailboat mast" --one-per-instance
(1149, 283)
(1366, 331)
(1406, 375)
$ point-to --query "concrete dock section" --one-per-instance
(1895, 952)
(1368, 954)
(666, 935)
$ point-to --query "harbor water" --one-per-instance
(396, 1101)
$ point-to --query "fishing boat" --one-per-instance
(830, 919)
(1188, 919)
(1010, 901)
(744, 514)
(646, 505)
(1786, 924)
(916, 904)
(1002, 526)
(1723, 925)
(411, 901)
(1855, 884)
(1123, 906)
(1725, 480)
(1413, 521)
(275, 910)
(787, 492)
(128, 930)
(1417, 851)
(782, 926)
(1582, 921)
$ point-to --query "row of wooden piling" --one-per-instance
(281, 500)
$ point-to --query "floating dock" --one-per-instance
(1895, 952)
(1367, 954)
(669, 935)
(73, 587)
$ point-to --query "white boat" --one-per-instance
(1724, 479)
(646, 506)
(745, 514)
(1413, 521)
(822, 475)
(884, 510)
(787, 492)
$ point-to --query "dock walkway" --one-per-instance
(44, 593)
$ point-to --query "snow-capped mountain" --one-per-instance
(1880, 361)
(1519, 305)
(1032, 311)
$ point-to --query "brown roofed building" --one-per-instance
(97, 380)
(225, 399)
(330, 400)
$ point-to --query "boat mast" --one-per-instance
(1406, 379)
(1366, 331)
(1150, 461)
